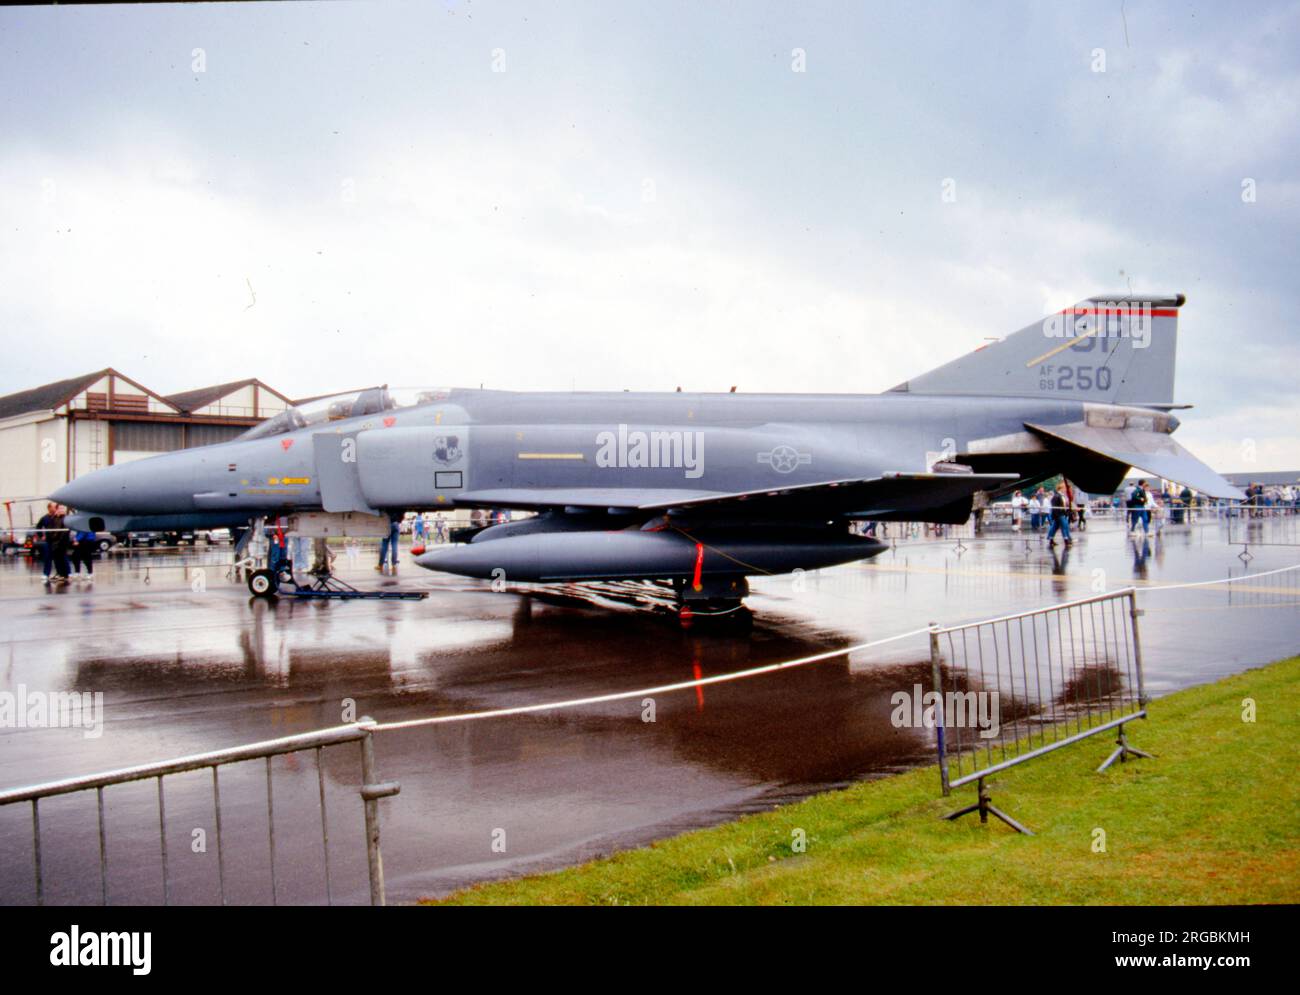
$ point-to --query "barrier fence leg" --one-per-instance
(1122, 748)
(1135, 613)
(371, 791)
(984, 806)
(940, 744)
(1123, 751)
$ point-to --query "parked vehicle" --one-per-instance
(141, 540)
(13, 545)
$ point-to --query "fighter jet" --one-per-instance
(697, 490)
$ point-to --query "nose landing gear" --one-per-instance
(313, 579)
(263, 583)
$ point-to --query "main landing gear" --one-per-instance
(715, 603)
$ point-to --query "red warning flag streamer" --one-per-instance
(699, 564)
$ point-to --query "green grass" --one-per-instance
(1214, 819)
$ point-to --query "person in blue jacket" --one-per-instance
(83, 551)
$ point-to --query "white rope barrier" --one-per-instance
(738, 675)
(1224, 580)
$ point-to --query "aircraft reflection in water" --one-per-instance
(697, 490)
(824, 723)
(299, 667)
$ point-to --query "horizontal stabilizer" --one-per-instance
(1154, 452)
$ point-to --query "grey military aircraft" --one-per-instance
(700, 491)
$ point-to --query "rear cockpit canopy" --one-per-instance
(336, 407)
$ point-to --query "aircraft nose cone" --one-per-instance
(124, 488)
(158, 485)
(84, 492)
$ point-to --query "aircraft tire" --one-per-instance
(262, 584)
(726, 616)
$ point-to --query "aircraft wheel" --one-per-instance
(262, 583)
(731, 617)
(725, 616)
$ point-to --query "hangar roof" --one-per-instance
(191, 400)
(51, 395)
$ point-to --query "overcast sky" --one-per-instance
(609, 195)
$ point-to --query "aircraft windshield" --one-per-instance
(336, 407)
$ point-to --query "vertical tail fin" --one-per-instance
(1117, 350)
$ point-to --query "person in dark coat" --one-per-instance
(53, 537)
(41, 539)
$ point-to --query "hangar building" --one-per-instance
(53, 433)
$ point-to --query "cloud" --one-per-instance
(1254, 437)
(548, 262)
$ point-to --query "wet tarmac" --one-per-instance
(188, 662)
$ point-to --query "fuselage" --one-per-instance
(470, 441)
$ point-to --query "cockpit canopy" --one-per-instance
(336, 407)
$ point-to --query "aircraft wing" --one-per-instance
(896, 496)
(1154, 452)
(620, 498)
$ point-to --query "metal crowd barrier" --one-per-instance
(371, 791)
(1050, 678)
(1277, 526)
